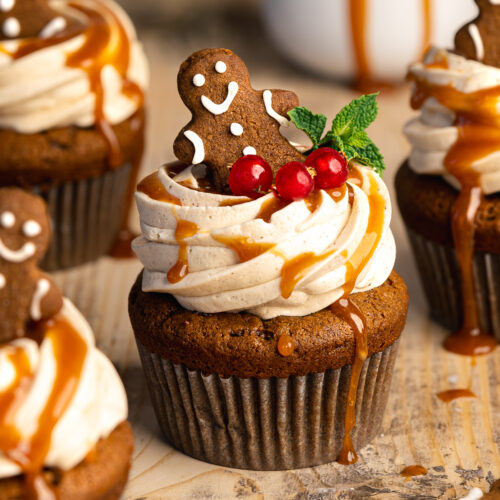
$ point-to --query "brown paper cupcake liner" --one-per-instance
(265, 424)
(440, 276)
(86, 217)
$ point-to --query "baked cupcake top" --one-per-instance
(266, 226)
(68, 63)
(457, 133)
(59, 395)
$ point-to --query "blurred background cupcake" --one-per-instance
(72, 81)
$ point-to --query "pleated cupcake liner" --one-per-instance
(265, 424)
(441, 280)
(86, 217)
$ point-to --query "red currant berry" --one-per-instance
(294, 182)
(250, 176)
(331, 168)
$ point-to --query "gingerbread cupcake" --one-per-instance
(448, 190)
(268, 313)
(63, 428)
(72, 77)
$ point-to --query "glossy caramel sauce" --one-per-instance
(69, 351)
(246, 248)
(286, 345)
(270, 207)
(358, 18)
(232, 203)
(452, 394)
(478, 136)
(185, 229)
(352, 315)
(412, 471)
(154, 188)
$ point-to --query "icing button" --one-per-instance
(249, 150)
(11, 27)
(7, 219)
(220, 67)
(6, 5)
(236, 129)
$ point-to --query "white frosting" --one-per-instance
(7, 219)
(478, 41)
(24, 253)
(41, 290)
(236, 129)
(217, 281)
(53, 27)
(11, 27)
(199, 148)
(249, 150)
(198, 80)
(31, 228)
(220, 67)
(268, 102)
(98, 406)
(218, 109)
(39, 91)
(432, 133)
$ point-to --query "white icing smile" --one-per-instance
(218, 109)
(24, 253)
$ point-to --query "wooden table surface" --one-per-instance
(456, 442)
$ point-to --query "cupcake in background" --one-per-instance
(448, 190)
(268, 313)
(63, 411)
(72, 81)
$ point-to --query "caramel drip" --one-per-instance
(412, 471)
(246, 248)
(370, 240)
(313, 200)
(270, 207)
(232, 203)
(154, 188)
(352, 315)
(296, 269)
(286, 345)
(185, 229)
(478, 136)
(427, 21)
(452, 394)
(69, 351)
(338, 193)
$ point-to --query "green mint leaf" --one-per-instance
(356, 116)
(313, 125)
(358, 139)
(370, 156)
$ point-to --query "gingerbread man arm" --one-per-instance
(47, 299)
(283, 101)
(189, 147)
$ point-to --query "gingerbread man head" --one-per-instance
(479, 39)
(26, 293)
(29, 19)
(229, 118)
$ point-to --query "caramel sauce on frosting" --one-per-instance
(153, 187)
(69, 351)
(477, 122)
(185, 229)
(246, 248)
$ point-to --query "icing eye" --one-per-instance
(6, 5)
(198, 80)
(31, 228)
(220, 67)
(7, 219)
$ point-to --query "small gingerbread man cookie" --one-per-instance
(230, 118)
(26, 293)
(29, 19)
(479, 39)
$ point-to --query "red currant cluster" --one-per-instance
(251, 175)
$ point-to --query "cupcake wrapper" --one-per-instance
(265, 424)
(440, 275)
(86, 217)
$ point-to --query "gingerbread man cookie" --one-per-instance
(29, 19)
(26, 293)
(230, 118)
(479, 39)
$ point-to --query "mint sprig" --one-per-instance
(347, 133)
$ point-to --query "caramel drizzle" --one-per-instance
(478, 136)
(185, 229)
(106, 42)
(153, 187)
(412, 471)
(69, 351)
(346, 309)
(246, 248)
(358, 11)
